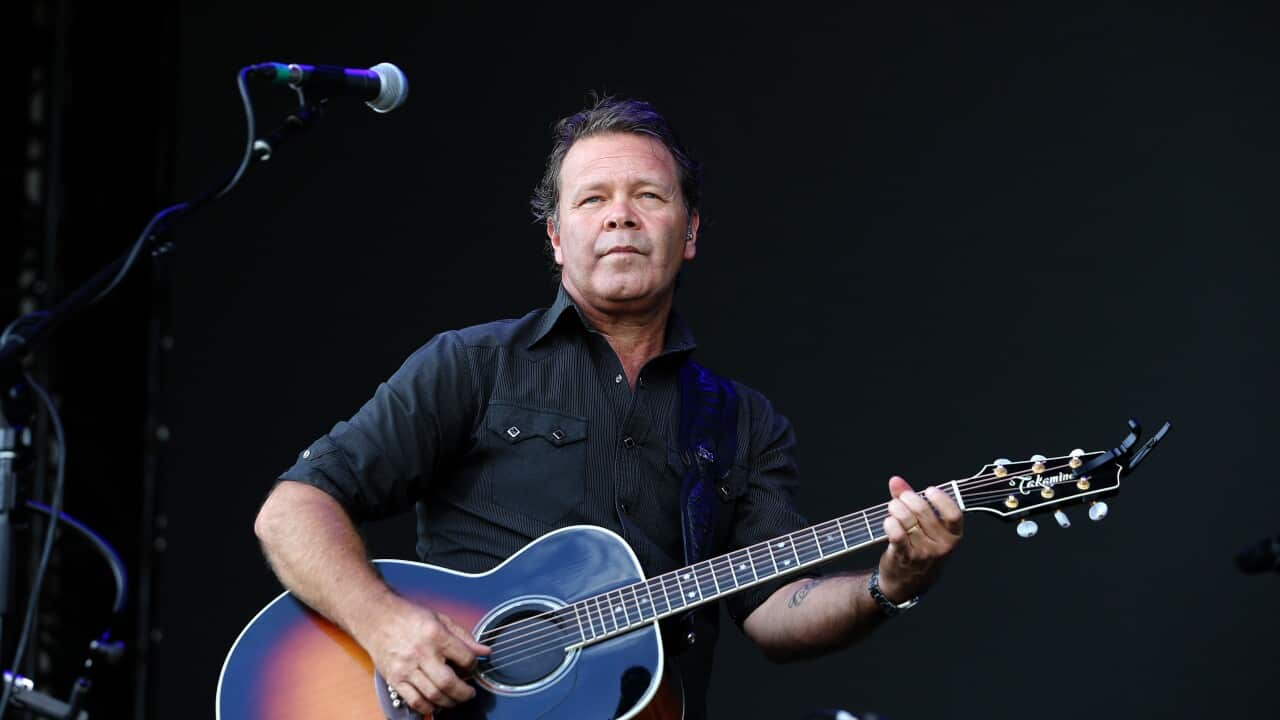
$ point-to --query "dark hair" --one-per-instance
(611, 115)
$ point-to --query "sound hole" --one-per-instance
(528, 642)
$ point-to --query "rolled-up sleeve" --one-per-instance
(381, 461)
(767, 508)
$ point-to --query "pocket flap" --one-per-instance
(517, 424)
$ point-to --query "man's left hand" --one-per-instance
(923, 529)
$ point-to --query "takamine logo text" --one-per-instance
(1027, 483)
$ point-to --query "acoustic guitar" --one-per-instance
(572, 620)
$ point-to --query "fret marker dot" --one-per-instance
(686, 576)
(782, 545)
(786, 562)
(691, 594)
(743, 566)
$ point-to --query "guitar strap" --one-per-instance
(708, 446)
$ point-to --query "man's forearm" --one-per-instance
(813, 616)
(318, 555)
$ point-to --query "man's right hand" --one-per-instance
(420, 653)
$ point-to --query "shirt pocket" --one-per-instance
(539, 461)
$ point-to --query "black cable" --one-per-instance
(47, 550)
(55, 509)
(185, 207)
(104, 549)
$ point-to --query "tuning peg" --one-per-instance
(1097, 511)
(1037, 461)
(1061, 517)
(1000, 463)
(1075, 461)
(1028, 528)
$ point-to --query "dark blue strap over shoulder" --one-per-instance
(708, 445)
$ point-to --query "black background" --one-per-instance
(980, 233)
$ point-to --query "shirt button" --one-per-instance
(306, 453)
(628, 442)
(624, 508)
(618, 379)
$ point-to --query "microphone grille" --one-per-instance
(395, 88)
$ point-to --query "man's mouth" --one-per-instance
(622, 249)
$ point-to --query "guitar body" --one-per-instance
(289, 663)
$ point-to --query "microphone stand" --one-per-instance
(30, 332)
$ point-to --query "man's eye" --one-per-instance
(650, 195)
(592, 199)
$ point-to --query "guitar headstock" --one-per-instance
(1016, 489)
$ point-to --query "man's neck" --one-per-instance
(636, 333)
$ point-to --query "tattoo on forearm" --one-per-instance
(799, 595)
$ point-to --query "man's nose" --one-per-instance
(621, 216)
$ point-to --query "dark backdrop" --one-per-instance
(983, 233)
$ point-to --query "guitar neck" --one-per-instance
(617, 611)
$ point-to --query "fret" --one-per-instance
(653, 604)
(616, 610)
(687, 596)
(871, 534)
(577, 615)
(840, 527)
(636, 617)
(604, 627)
(703, 581)
(808, 554)
(610, 612)
(676, 591)
(602, 605)
(781, 545)
(752, 552)
(772, 558)
(726, 565)
(831, 541)
(662, 584)
(714, 579)
(817, 542)
(741, 566)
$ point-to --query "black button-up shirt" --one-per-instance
(499, 433)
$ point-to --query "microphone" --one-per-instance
(383, 87)
(1263, 556)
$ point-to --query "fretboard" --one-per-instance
(617, 611)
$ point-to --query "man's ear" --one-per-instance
(554, 234)
(691, 236)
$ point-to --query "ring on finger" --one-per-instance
(914, 528)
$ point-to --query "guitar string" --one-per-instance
(556, 644)
(755, 554)
(808, 544)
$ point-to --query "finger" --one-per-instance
(930, 525)
(465, 636)
(948, 511)
(897, 536)
(455, 649)
(450, 689)
(900, 512)
(897, 486)
(413, 697)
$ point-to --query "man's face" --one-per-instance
(623, 224)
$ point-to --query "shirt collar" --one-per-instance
(679, 337)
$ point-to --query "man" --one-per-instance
(596, 376)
